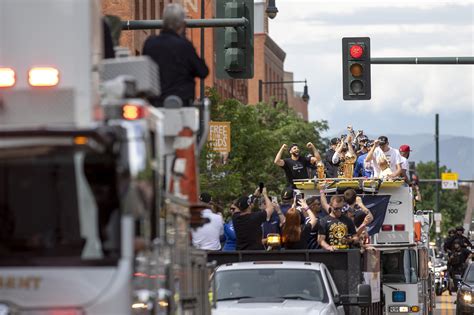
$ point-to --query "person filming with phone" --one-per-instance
(294, 235)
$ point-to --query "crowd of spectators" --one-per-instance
(299, 223)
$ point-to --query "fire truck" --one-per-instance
(98, 189)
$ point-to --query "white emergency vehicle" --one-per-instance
(94, 216)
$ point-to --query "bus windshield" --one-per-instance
(399, 266)
(58, 202)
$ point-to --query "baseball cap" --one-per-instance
(363, 138)
(334, 141)
(404, 148)
(287, 193)
(383, 139)
(205, 197)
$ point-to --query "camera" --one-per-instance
(260, 187)
(299, 196)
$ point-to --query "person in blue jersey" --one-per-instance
(230, 239)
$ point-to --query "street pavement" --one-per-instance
(445, 304)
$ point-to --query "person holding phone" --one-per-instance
(294, 235)
(381, 147)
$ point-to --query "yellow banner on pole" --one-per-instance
(219, 136)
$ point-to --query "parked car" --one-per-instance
(465, 295)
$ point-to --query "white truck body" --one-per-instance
(65, 35)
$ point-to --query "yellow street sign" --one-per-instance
(449, 180)
(219, 136)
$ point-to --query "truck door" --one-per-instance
(333, 292)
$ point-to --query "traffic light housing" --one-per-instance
(356, 68)
(234, 45)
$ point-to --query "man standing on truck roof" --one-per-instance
(381, 147)
(336, 231)
(176, 57)
(248, 225)
(296, 167)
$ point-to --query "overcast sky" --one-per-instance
(405, 98)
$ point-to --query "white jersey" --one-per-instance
(393, 157)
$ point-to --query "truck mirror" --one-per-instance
(337, 299)
(364, 294)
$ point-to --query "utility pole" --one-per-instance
(437, 161)
(203, 16)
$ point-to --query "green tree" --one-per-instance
(453, 203)
(257, 133)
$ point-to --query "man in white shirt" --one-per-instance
(207, 237)
(381, 147)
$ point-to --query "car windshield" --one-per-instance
(399, 266)
(58, 202)
(297, 284)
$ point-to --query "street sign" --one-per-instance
(449, 180)
(219, 136)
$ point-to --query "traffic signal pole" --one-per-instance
(130, 25)
(423, 60)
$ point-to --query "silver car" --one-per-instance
(276, 288)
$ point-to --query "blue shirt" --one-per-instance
(359, 169)
(271, 226)
(230, 238)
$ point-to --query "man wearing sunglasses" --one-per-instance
(336, 231)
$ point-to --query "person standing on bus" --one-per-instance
(176, 57)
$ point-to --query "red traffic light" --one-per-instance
(356, 51)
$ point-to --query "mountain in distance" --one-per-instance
(456, 152)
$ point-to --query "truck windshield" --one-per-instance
(399, 266)
(58, 202)
(296, 284)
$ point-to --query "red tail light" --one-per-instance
(133, 112)
(7, 77)
(387, 227)
(43, 76)
(399, 227)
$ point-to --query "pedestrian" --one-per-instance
(176, 57)
(207, 237)
(294, 235)
(458, 261)
(296, 167)
(248, 225)
(336, 231)
(381, 148)
(230, 239)
(464, 241)
(405, 154)
(448, 242)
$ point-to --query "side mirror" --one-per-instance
(337, 299)
(364, 294)
(457, 277)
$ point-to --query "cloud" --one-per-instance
(396, 28)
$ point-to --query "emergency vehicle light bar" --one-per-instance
(43, 76)
(7, 77)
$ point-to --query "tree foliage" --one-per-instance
(453, 203)
(257, 133)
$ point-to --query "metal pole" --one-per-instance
(201, 87)
(131, 25)
(437, 161)
(260, 91)
(423, 60)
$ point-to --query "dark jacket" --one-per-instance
(178, 63)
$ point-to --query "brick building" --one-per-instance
(153, 9)
(294, 98)
(268, 56)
